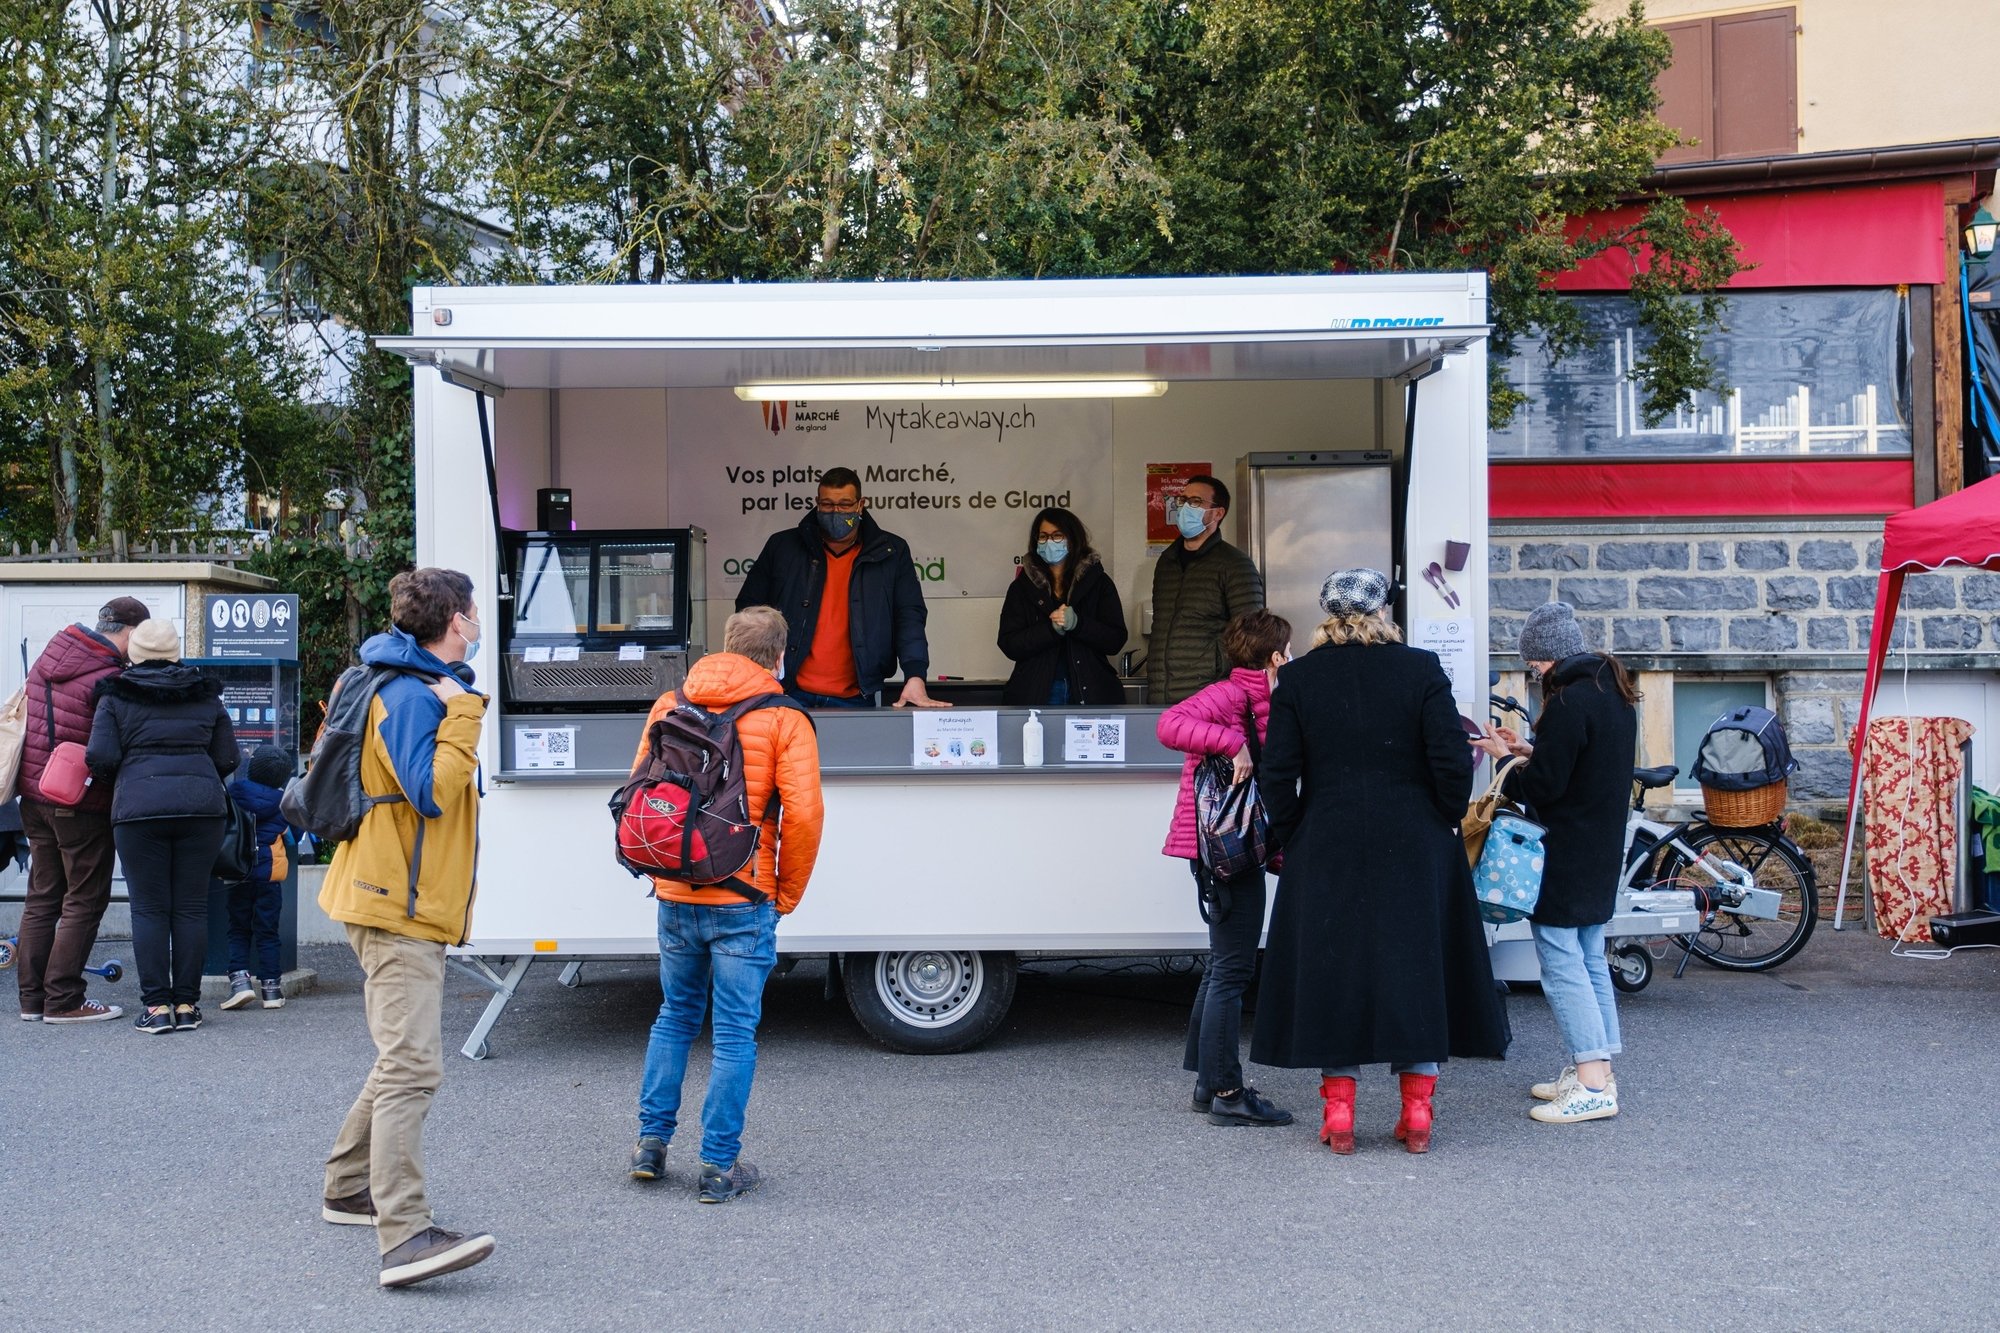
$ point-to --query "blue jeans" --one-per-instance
(1420, 1067)
(254, 906)
(727, 952)
(811, 700)
(1577, 981)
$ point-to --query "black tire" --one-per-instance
(929, 1001)
(1750, 944)
(1631, 969)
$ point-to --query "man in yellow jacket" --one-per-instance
(403, 887)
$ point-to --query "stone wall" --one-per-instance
(1699, 591)
(1795, 604)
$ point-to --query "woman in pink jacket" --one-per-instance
(1215, 722)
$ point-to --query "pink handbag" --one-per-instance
(67, 777)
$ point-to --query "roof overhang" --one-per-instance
(1366, 327)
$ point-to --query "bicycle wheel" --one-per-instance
(1747, 943)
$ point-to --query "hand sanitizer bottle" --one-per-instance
(1031, 740)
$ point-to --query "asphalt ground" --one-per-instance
(1805, 1149)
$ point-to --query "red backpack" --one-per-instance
(685, 815)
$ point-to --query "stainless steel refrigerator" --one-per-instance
(1305, 514)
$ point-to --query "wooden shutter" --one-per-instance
(1687, 89)
(1732, 85)
(1756, 84)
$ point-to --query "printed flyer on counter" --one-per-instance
(1094, 740)
(956, 740)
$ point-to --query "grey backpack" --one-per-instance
(327, 800)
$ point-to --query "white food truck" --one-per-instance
(607, 462)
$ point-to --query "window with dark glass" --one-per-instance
(1802, 373)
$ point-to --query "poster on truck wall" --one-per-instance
(959, 481)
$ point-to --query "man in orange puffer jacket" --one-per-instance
(716, 945)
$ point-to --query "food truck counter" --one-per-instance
(946, 743)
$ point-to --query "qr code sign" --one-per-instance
(1109, 733)
(539, 747)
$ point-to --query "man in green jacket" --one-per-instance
(1200, 584)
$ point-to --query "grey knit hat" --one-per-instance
(1354, 592)
(1551, 634)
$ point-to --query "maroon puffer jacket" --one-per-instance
(66, 673)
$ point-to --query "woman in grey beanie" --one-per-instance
(1577, 781)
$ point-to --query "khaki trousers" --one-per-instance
(381, 1144)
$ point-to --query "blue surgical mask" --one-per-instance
(471, 645)
(1052, 552)
(838, 527)
(1191, 521)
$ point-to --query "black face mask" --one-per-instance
(463, 673)
(837, 527)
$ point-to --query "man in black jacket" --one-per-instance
(851, 602)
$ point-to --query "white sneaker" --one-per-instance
(1578, 1103)
(1548, 1092)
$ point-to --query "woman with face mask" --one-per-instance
(1061, 621)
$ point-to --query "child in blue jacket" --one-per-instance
(254, 903)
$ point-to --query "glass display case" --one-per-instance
(603, 619)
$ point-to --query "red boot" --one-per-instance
(1337, 1130)
(1413, 1127)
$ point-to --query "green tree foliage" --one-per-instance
(649, 140)
(357, 206)
(126, 350)
(1372, 135)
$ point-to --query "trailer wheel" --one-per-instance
(929, 1001)
(1631, 968)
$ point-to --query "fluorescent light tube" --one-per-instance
(851, 390)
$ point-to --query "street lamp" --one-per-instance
(1981, 234)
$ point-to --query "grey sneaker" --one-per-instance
(241, 992)
(649, 1159)
(274, 993)
(431, 1252)
(720, 1186)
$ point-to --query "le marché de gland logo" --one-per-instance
(800, 415)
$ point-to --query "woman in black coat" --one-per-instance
(1578, 784)
(161, 731)
(1376, 952)
(1061, 621)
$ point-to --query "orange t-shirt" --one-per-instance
(829, 666)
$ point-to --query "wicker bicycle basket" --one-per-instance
(1744, 809)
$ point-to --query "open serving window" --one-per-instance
(606, 619)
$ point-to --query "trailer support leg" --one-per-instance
(572, 973)
(502, 984)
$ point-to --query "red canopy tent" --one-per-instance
(1961, 529)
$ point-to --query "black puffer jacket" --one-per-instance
(1081, 655)
(161, 730)
(1192, 601)
(885, 616)
(1578, 783)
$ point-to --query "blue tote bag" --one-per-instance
(1508, 878)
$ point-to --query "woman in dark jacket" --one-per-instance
(1062, 620)
(1577, 783)
(160, 730)
(1376, 952)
